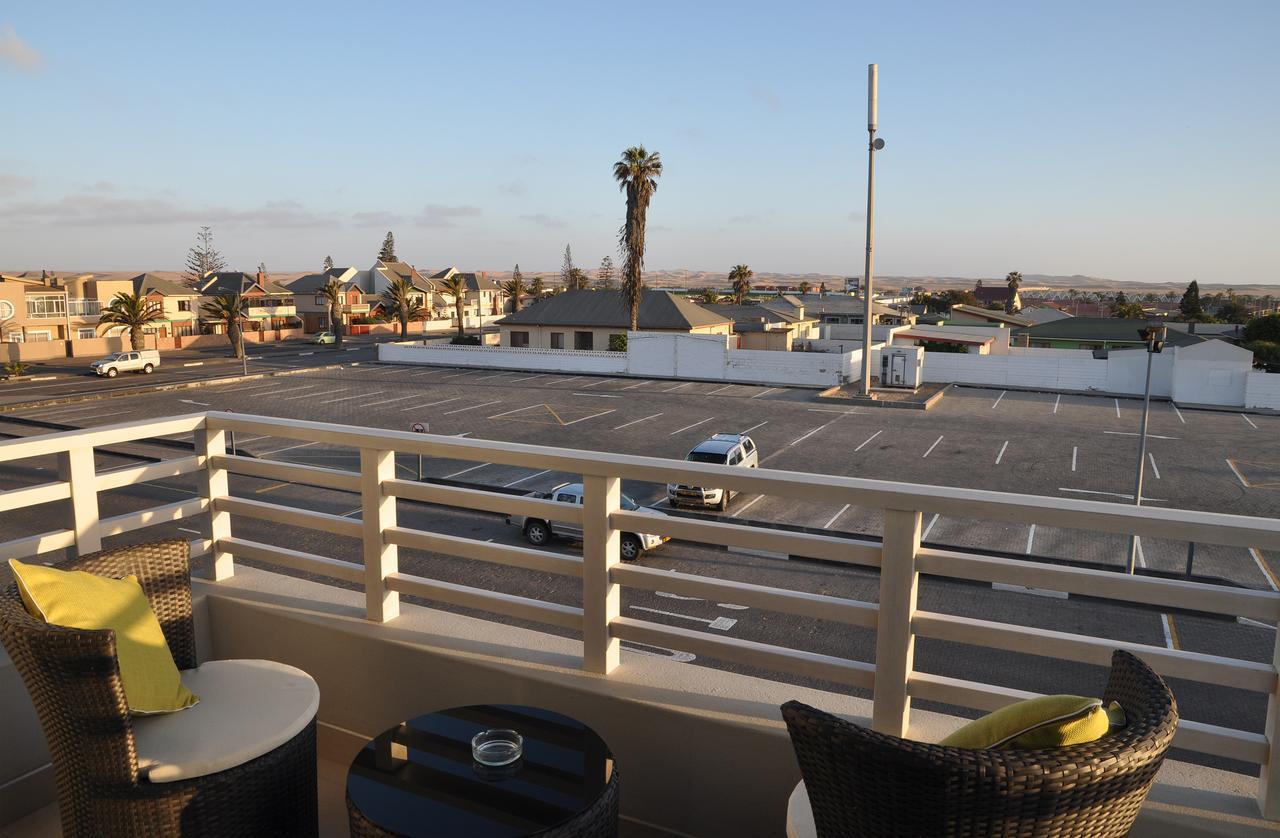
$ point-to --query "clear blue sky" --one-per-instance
(1132, 140)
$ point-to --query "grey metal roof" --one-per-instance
(1042, 314)
(659, 310)
(480, 282)
(991, 314)
(1109, 329)
(238, 282)
(144, 284)
(744, 314)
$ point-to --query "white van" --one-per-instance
(142, 360)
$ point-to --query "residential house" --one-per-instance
(484, 299)
(313, 308)
(765, 327)
(270, 305)
(840, 309)
(1095, 333)
(179, 304)
(998, 294)
(586, 320)
(1042, 314)
(967, 315)
(51, 308)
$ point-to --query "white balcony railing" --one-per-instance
(892, 678)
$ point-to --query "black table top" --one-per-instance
(418, 778)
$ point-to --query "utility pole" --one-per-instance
(1154, 337)
(873, 145)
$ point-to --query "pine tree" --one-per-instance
(1190, 305)
(328, 263)
(567, 276)
(604, 277)
(203, 259)
(388, 251)
(516, 276)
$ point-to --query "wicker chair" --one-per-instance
(864, 783)
(73, 678)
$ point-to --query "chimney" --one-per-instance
(262, 278)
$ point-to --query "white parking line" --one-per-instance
(1145, 499)
(349, 398)
(1031, 537)
(1137, 545)
(473, 407)
(592, 416)
(868, 439)
(1250, 421)
(1117, 401)
(105, 415)
(430, 404)
(1135, 433)
(300, 354)
(61, 411)
(1073, 457)
(753, 427)
(1179, 412)
(1238, 475)
(495, 375)
(529, 477)
(719, 389)
(598, 383)
(931, 447)
(598, 395)
(746, 506)
(636, 421)
(1266, 571)
(528, 378)
(690, 427)
(1151, 458)
(634, 386)
(570, 378)
(426, 372)
(997, 402)
(465, 470)
(677, 387)
(929, 528)
(809, 434)
(1056, 402)
(767, 392)
(1000, 456)
(719, 623)
(514, 410)
(458, 374)
(194, 364)
(396, 399)
(843, 509)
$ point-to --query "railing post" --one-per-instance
(601, 598)
(77, 468)
(378, 513)
(212, 484)
(895, 641)
(1269, 778)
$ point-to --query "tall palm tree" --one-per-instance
(232, 309)
(403, 301)
(637, 175)
(1013, 280)
(537, 288)
(514, 288)
(804, 287)
(132, 311)
(740, 281)
(331, 291)
(456, 287)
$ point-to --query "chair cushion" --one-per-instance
(800, 823)
(1049, 721)
(80, 600)
(248, 708)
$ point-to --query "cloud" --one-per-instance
(88, 209)
(376, 218)
(11, 184)
(102, 186)
(543, 220)
(857, 215)
(441, 215)
(515, 187)
(766, 97)
(15, 54)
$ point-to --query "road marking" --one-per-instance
(1239, 476)
(719, 623)
(1074, 449)
(456, 375)
(473, 407)
(677, 387)
(637, 384)
(806, 436)
(1154, 470)
(931, 447)
(1170, 632)
(1031, 537)
(868, 439)
(1001, 396)
(430, 404)
(1250, 421)
(828, 524)
(1265, 568)
(465, 470)
(495, 375)
(929, 528)
(396, 399)
(690, 427)
(356, 348)
(829, 410)
(677, 596)
(1246, 621)
(746, 506)
(184, 529)
(528, 378)
(300, 354)
(62, 410)
(1145, 499)
(636, 421)
(427, 372)
(270, 488)
(352, 512)
(1055, 403)
(1117, 401)
(1179, 412)
(1020, 589)
(1000, 456)
(598, 383)
(767, 392)
(585, 418)
(288, 448)
(515, 410)
(672, 654)
(1137, 549)
(753, 427)
(194, 364)
(43, 378)
(597, 395)
(566, 380)
(193, 401)
(529, 477)
(719, 389)
(1135, 433)
(311, 395)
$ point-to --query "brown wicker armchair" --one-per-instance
(864, 783)
(73, 678)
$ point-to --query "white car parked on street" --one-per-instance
(721, 450)
(539, 532)
(143, 361)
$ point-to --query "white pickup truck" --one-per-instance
(142, 360)
(538, 532)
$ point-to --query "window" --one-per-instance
(320, 301)
(583, 341)
(185, 305)
(520, 339)
(748, 446)
(6, 309)
(734, 457)
(87, 334)
(557, 340)
(47, 307)
(39, 336)
(566, 497)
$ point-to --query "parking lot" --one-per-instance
(1041, 443)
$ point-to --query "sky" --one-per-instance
(1134, 141)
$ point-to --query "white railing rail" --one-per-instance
(898, 622)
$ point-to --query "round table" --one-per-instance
(418, 778)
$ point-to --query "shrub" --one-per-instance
(1265, 328)
(937, 346)
(1266, 353)
(465, 340)
(14, 369)
(617, 343)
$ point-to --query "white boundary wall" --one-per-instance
(501, 358)
(1262, 390)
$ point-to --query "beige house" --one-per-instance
(764, 326)
(587, 320)
(966, 315)
(484, 301)
(313, 308)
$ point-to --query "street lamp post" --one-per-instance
(873, 145)
(1154, 337)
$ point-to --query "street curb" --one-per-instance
(160, 388)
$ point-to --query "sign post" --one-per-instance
(419, 428)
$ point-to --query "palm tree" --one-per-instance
(537, 288)
(708, 295)
(456, 287)
(132, 311)
(1074, 296)
(403, 301)
(740, 281)
(1013, 280)
(514, 288)
(231, 309)
(331, 291)
(804, 287)
(637, 175)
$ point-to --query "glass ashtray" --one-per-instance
(496, 747)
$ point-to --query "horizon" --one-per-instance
(1016, 138)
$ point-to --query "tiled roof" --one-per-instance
(989, 314)
(144, 284)
(659, 310)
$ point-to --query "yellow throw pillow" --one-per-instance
(1050, 721)
(76, 599)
